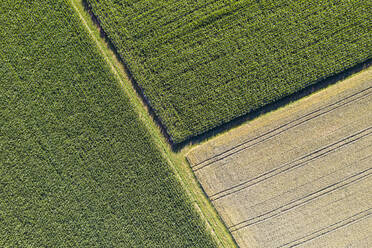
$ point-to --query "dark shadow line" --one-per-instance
(127, 70)
(317, 86)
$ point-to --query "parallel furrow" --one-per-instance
(302, 161)
(283, 128)
(341, 224)
(303, 200)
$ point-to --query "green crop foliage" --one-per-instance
(77, 166)
(203, 63)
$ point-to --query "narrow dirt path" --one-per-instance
(99, 45)
(178, 164)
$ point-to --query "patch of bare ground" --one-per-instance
(300, 176)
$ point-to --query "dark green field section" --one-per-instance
(77, 167)
(203, 63)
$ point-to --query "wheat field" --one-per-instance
(300, 176)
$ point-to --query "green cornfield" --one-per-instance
(202, 63)
(77, 166)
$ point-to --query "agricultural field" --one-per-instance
(297, 177)
(202, 63)
(77, 166)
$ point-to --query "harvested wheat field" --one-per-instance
(297, 177)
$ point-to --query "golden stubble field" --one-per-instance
(297, 177)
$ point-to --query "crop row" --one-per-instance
(206, 63)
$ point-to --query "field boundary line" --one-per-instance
(198, 200)
(238, 148)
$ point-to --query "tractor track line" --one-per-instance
(303, 200)
(343, 223)
(222, 155)
(294, 164)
